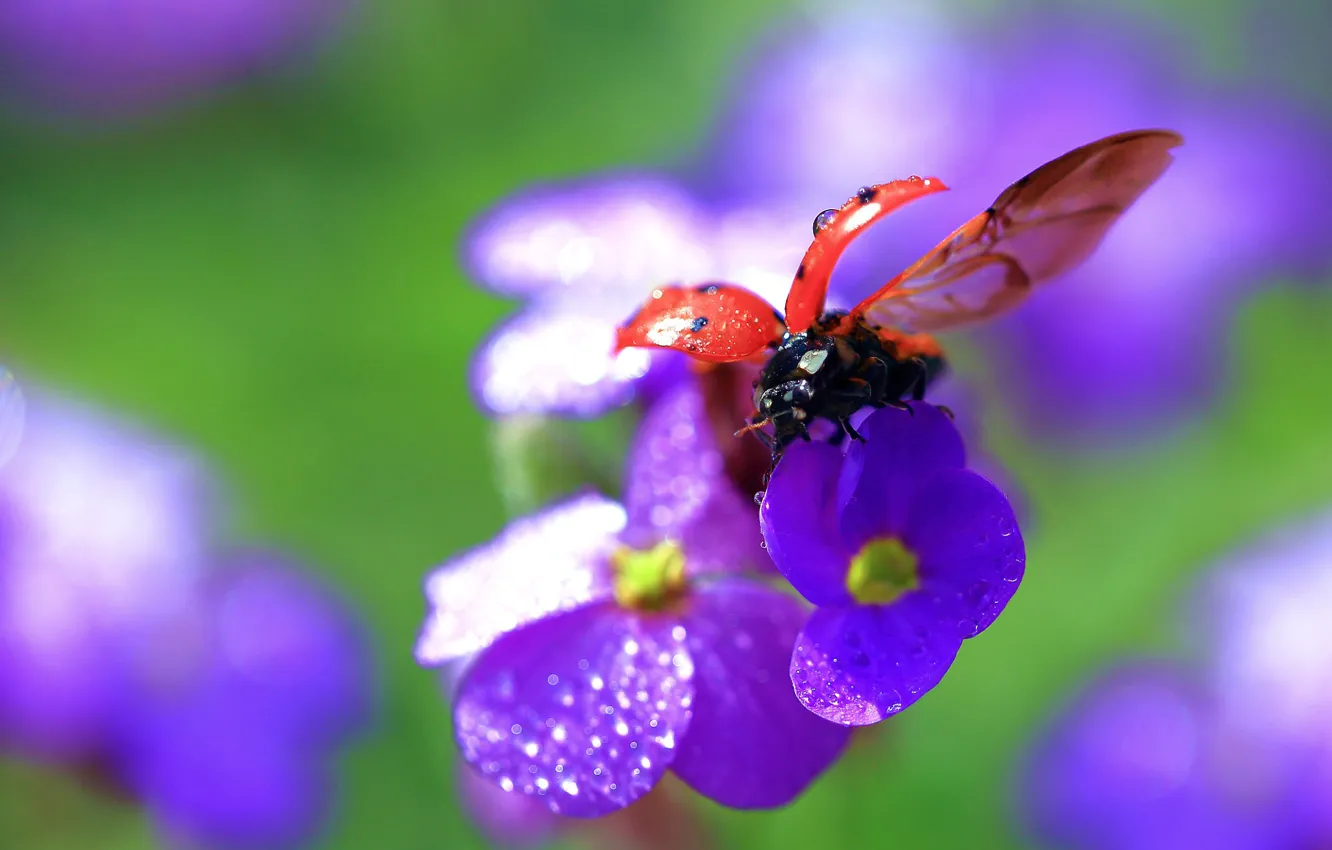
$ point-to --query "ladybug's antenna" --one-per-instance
(753, 428)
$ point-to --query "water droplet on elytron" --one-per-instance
(823, 219)
(13, 411)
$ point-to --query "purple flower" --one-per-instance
(212, 689)
(1237, 754)
(1268, 642)
(904, 550)
(1137, 333)
(1268, 633)
(1140, 761)
(121, 56)
(616, 641)
(584, 256)
(103, 532)
(232, 710)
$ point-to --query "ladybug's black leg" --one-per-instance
(920, 380)
(901, 405)
(875, 373)
(849, 430)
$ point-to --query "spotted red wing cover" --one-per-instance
(834, 230)
(713, 322)
(1037, 229)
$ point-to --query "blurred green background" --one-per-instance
(271, 275)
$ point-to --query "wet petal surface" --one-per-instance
(551, 561)
(858, 665)
(902, 452)
(584, 709)
(751, 744)
(798, 518)
(970, 550)
(676, 488)
(557, 361)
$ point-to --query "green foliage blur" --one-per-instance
(272, 276)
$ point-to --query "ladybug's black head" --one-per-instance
(785, 404)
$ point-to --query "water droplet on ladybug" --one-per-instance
(823, 219)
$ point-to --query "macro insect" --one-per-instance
(824, 364)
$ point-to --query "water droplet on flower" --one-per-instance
(967, 628)
(977, 592)
(759, 496)
(823, 219)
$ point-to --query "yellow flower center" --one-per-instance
(882, 572)
(649, 579)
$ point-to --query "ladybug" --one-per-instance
(827, 365)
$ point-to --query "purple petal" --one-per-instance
(549, 562)
(218, 772)
(828, 84)
(549, 361)
(1136, 761)
(619, 235)
(798, 518)
(103, 532)
(676, 488)
(583, 709)
(600, 246)
(131, 55)
(970, 551)
(300, 648)
(751, 744)
(858, 665)
(902, 451)
(1267, 632)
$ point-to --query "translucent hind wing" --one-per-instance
(1038, 228)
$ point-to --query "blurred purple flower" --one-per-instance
(584, 256)
(904, 550)
(233, 709)
(122, 56)
(1269, 641)
(1239, 755)
(614, 642)
(1140, 762)
(1137, 333)
(212, 690)
(103, 531)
